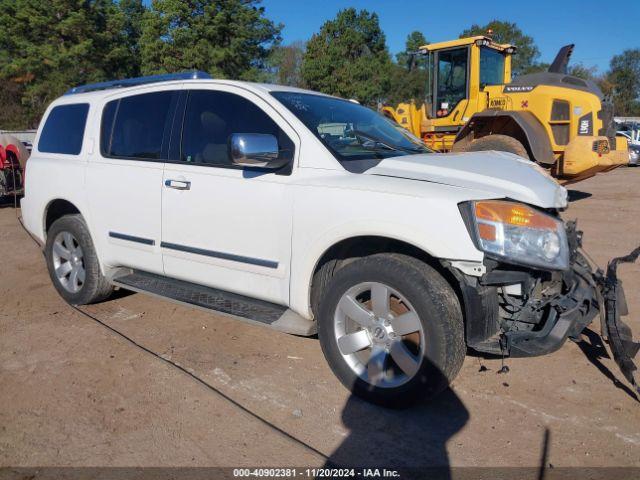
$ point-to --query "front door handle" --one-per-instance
(178, 184)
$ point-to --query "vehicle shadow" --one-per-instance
(119, 293)
(594, 350)
(412, 440)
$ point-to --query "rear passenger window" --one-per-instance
(64, 129)
(135, 127)
(212, 117)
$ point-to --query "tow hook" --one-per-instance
(614, 330)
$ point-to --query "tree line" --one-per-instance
(48, 46)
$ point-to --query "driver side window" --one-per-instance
(211, 118)
(452, 80)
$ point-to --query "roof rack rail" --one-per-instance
(130, 82)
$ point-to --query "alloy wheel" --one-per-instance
(379, 334)
(68, 262)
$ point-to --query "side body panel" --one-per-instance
(232, 228)
(125, 201)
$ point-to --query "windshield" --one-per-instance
(353, 133)
(491, 67)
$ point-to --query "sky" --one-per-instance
(599, 29)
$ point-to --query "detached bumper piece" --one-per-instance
(614, 330)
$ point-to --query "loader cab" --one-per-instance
(458, 72)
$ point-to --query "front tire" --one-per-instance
(391, 329)
(73, 264)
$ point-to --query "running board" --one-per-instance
(214, 300)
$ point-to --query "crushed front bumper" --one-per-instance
(553, 306)
(567, 317)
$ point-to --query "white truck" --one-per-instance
(310, 214)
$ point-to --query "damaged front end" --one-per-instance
(521, 311)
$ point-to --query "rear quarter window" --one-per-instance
(63, 130)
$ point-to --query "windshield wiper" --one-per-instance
(376, 144)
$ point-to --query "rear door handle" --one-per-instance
(178, 184)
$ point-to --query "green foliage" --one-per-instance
(407, 59)
(133, 10)
(578, 70)
(227, 38)
(349, 58)
(47, 47)
(506, 32)
(624, 76)
(535, 68)
(285, 64)
(408, 75)
(12, 115)
(582, 71)
(407, 85)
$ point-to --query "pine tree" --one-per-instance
(349, 58)
(227, 38)
(48, 47)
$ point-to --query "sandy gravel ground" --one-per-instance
(75, 393)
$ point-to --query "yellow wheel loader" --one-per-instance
(559, 121)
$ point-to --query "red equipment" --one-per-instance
(11, 172)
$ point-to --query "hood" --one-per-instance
(497, 173)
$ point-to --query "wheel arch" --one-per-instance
(347, 249)
(523, 126)
(55, 209)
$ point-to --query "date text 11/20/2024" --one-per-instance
(316, 472)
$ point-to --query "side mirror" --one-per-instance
(254, 150)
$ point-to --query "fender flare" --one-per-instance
(538, 144)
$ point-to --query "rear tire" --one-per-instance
(372, 360)
(500, 143)
(73, 264)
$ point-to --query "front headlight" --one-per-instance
(517, 233)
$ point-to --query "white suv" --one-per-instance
(308, 214)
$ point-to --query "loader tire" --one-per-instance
(500, 143)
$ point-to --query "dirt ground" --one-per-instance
(76, 393)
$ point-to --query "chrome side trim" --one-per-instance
(224, 256)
